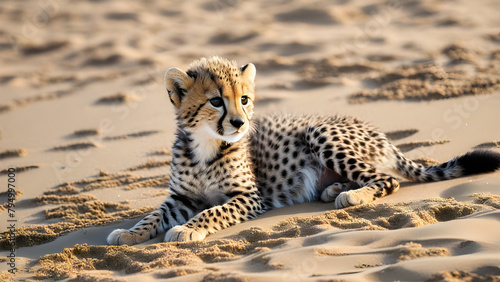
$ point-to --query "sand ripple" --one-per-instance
(259, 241)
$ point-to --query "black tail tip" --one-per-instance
(479, 161)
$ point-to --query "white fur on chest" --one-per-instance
(205, 146)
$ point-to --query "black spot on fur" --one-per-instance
(342, 167)
(355, 175)
(184, 214)
(285, 161)
(233, 194)
(327, 154)
(479, 161)
(329, 164)
(179, 90)
(192, 74)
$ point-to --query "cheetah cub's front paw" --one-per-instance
(181, 233)
(347, 199)
(125, 237)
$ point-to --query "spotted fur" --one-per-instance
(228, 168)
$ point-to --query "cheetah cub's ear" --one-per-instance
(178, 83)
(248, 71)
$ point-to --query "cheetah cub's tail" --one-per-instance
(479, 161)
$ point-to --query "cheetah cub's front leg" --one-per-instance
(182, 233)
(240, 208)
(170, 213)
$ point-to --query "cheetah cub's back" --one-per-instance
(228, 167)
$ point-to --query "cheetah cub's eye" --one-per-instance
(216, 102)
(244, 100)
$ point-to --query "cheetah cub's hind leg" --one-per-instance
(374, 185)
(336, 153)
(331, 192)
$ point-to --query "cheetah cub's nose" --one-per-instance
(237, 122)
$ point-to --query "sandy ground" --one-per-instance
(86, 123)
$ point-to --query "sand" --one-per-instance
(86, 123)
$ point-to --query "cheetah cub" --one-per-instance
(227, 167)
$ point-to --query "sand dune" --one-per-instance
(320, 236)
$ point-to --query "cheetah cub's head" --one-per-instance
(213, 97)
